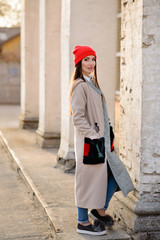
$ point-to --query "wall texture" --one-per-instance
(10, 71)
(140, 109)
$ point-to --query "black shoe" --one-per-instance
(107, 220)
(97, 229)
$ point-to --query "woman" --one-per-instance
(95, 185)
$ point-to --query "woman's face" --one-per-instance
(88, 64)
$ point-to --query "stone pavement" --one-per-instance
(20, 217)
(51, 187)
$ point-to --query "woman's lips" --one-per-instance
(90, 68)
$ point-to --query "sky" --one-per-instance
(10, 13)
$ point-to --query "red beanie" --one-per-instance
(81, 52)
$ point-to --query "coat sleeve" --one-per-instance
(78, 106)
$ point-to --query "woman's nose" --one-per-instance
(91, 63)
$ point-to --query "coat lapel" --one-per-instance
(117, 167)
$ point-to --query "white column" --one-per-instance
(90, 23)
(140, 114)
(66, 151)
(48, 133)
(29, 64)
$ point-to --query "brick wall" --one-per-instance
(140, 95)
(150, 132)
(10, 71)
(9, 82)
(130, 88)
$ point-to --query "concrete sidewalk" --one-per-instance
(52, 188)
(20, 216)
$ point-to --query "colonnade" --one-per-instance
(50, 30)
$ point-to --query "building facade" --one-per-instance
(128, 72)
(9, 65)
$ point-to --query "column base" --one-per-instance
(66, 159)
(28, 123)
(48, 140)
(140, 219)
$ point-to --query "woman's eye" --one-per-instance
(87, 59)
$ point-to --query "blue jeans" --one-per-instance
(111, 188)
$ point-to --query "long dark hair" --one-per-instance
(78, 74)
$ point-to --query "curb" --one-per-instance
(35, 192)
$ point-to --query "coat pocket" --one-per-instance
(94, 151)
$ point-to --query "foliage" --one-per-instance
(10, 13)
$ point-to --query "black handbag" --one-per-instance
(94, 151)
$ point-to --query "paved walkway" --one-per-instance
(53, 188)
(20, 217)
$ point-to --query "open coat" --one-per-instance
(90, 180)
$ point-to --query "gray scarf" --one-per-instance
(106, 121)
(117, 167)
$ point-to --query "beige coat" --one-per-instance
(90, 180)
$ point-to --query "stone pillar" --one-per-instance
(48, 133)
(29, 64)
(86, 22)
(66, 152)
(140, 116)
